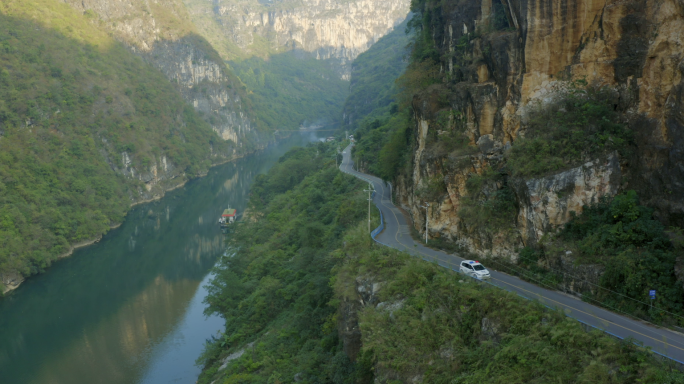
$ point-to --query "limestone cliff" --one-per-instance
(208, 85)
(328, 29)
(500, 58)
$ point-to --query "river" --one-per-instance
(129, 308)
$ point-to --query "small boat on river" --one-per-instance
(228, 217)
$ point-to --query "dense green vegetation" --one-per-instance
(274, 291)
(441, 328)
(631, 251)
(578, 127)
(385, 136)
(488, 207)
(290, 90)
(633, 248)
(373, 91)
(382, 144)
(637, 254)
(71, 103)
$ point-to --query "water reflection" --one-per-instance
(101, 315)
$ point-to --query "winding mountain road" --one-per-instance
(397, 235)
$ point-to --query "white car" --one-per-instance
(475, 269)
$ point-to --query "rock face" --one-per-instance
(493, 75)
(206, 83)
(326, 28)
(547, 203)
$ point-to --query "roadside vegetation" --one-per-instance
(436, 326)
(382, 125)
(273, 288)
(633, 251)
(385, 137)
(72, 101)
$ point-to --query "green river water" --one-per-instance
(129, 308)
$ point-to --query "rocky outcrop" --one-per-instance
(365, 293)
(206, 83)
(10, 281)
(499, 58)
(340, 30)
(547, 203)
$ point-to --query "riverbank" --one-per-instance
(136, 295)
(12, 280)
(16, 281)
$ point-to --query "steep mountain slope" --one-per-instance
(482, 81)
(290, 91)
(372, 88)
(90, 128)
(86, 129)
(163, 33)
(374, 111)
(540, 133)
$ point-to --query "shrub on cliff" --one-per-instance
(490, 205)
(579, 126)
(636, 252)
(627, 245)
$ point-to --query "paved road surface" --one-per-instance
(397, 235)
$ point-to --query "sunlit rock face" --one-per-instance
(634, 47)
(205, 83)
(339, 29)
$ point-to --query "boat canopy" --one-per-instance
(229, 213)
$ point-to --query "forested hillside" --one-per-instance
(291, 90)
(87, 128)
(373, 90)
(163, 34)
